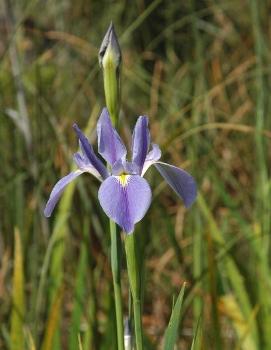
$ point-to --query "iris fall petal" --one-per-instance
(180, 181)
(57, 191)
(125, 200)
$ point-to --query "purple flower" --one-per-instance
(124, 194)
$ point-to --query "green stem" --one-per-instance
(111, 90)
(138, 324)
(134, 280)
(116, 269)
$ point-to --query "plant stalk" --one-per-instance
(110, 61)
(134, 280)
(116, 273)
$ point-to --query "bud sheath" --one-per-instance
(110, 61)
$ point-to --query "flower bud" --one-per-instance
(110, 61)
(109, 53)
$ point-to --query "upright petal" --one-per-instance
(110, 145)
(180, 181)
(84, 164)
(88, 152)
(152, 157)
(125, 199)
(57, 191)
(141, 142)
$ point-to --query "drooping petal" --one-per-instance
(88, 153)
(110, 145)
(141, 142)
(125, 199)
(180, 181)
(84, 164)
(152, 157)
(57, 191)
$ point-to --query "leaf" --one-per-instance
(171, 333)
(53, 320)
(234, 275)
(195, 343)
(242, 326)
(30, 341)
(18, 302)
(79, 295)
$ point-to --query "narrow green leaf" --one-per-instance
(30, 341)
(234, 275)
(195, 343)
(52, 323)
(79, 296)
(241, 325)
(18, 308)
(171, 333)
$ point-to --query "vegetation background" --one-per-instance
(201, 71)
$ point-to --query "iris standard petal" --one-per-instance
(110, 145)
(180, 181)
(57, 191)
(141, 142)
(152, 157)
(125, 199)
(84, 164)
(88, 152)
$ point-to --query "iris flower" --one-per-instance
(124, 194)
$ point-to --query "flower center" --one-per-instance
(123, 179)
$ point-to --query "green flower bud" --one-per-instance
(110, 61)
(110, 53)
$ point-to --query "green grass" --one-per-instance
(200, 70)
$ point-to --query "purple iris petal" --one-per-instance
(125, 200)
(180, 181)
(131, 168)
(84, 164)
(88, 152)
(124, 167)
(57, 191)
(118, 167)
(141, 142)
(152, 157)
(110, 144)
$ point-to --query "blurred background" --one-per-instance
(200, 70)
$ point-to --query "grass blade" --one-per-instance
(80, 291)
(171, 333)
(52, 323)
(18, 309)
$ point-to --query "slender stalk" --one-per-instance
(262, 195)
(116, 268)
(111, 90)
(134, 280)
(110, 61)
(138, 324)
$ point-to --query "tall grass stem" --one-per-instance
(134, 280)
(116, 273)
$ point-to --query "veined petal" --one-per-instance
(180, 181)
(88, 153)
(110, 145)
(152, 157)
(141, 142)
(125, 199)
(84, 164)
(57, 191)
(124, 167)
